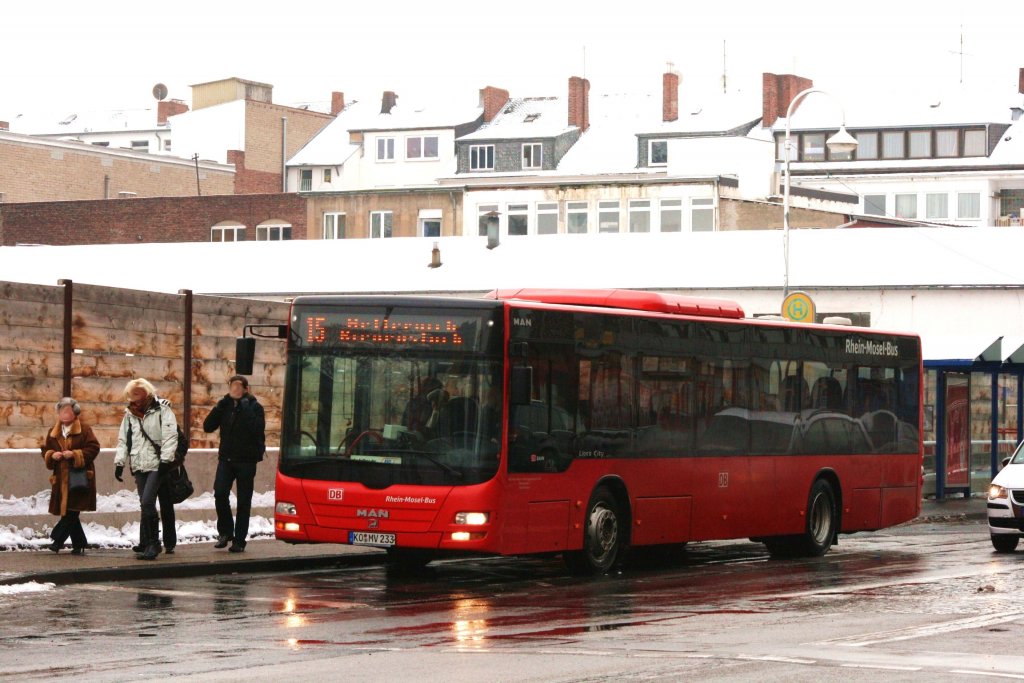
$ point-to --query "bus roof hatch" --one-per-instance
(626, 299)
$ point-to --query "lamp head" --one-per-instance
(842, 142)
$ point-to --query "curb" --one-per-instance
(156, 570)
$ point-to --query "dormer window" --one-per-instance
(481, 157)
(657, 152)
(533, 155)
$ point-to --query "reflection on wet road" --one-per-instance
(696, 610)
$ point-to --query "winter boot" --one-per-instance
(153, 548)
(143, 537)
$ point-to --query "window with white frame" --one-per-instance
(380, 224)
(671, 215)
(533, 153)
(639, 215)
(874, 204)
(430, 227)
(576, 217)
(421, 147)
(481, 157)
(233, 232)
(518, 219)
(273, 232)
(327, 176)
(608, 216)
(657, 152)
(547, 218)
(936, 205)
(702, 214)
(968, 205)
(974, 143)
(385, 149)
(906, 206)
(483, 212)
(305, 180)
(334, 225)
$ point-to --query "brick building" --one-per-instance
(158, 219)
(41, 170)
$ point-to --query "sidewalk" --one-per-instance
(194, 559)
(202, 559)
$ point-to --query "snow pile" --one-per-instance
(27, 538)
(29, 587)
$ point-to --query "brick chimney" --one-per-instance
(579, 103)
(4, 125)
(492, 100)
(1020, 81)
(168, 108)
(778, 90)
(670, 96)
(337, 102)
(388, 101)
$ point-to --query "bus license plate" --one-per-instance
(366, 538)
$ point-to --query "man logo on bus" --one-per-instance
(372, 513)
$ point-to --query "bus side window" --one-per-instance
(542, 436)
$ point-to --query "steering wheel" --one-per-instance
(369, 432)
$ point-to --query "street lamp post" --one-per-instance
(842, 141)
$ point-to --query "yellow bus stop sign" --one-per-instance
(798, 307)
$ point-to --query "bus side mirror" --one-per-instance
(521, 388)
(245, 354)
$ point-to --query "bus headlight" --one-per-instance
(284, 509)
(996, 491)
(472, 518)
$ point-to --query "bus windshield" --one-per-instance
(391, 407)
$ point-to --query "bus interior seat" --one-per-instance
(827, 394)
(462, 415)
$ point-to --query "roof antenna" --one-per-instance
(723, 69)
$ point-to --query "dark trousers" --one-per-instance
(242, 475)
(152, 488)
(69, 525)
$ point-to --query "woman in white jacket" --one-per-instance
(149, 436)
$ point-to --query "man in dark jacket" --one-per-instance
(239, 417)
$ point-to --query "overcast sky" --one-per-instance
(107, 54)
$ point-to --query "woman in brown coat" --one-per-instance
(70, 444)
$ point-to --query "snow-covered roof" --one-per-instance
(76, 121)
(869, 257)
(903, 109)
(526, 118)
(331, 145)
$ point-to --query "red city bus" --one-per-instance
(583, 422)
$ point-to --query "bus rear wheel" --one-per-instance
(821, 527)
(602, 536)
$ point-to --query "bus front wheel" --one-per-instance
(602, 536)
(1005, 543)
(821, 526)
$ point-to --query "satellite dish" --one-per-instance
(159, 91)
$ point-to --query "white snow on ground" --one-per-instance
(27, 538)
(29, 587)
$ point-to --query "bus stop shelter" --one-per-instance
(972, 411)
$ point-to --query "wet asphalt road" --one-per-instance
(923, 601)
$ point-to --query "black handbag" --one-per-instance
(180, 485)
(78, 480)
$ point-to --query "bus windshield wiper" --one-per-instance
(426, 456)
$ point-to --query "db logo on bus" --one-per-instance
(335, 494)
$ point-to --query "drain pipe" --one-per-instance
(284, 154)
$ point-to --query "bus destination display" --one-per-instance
(399, 330)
